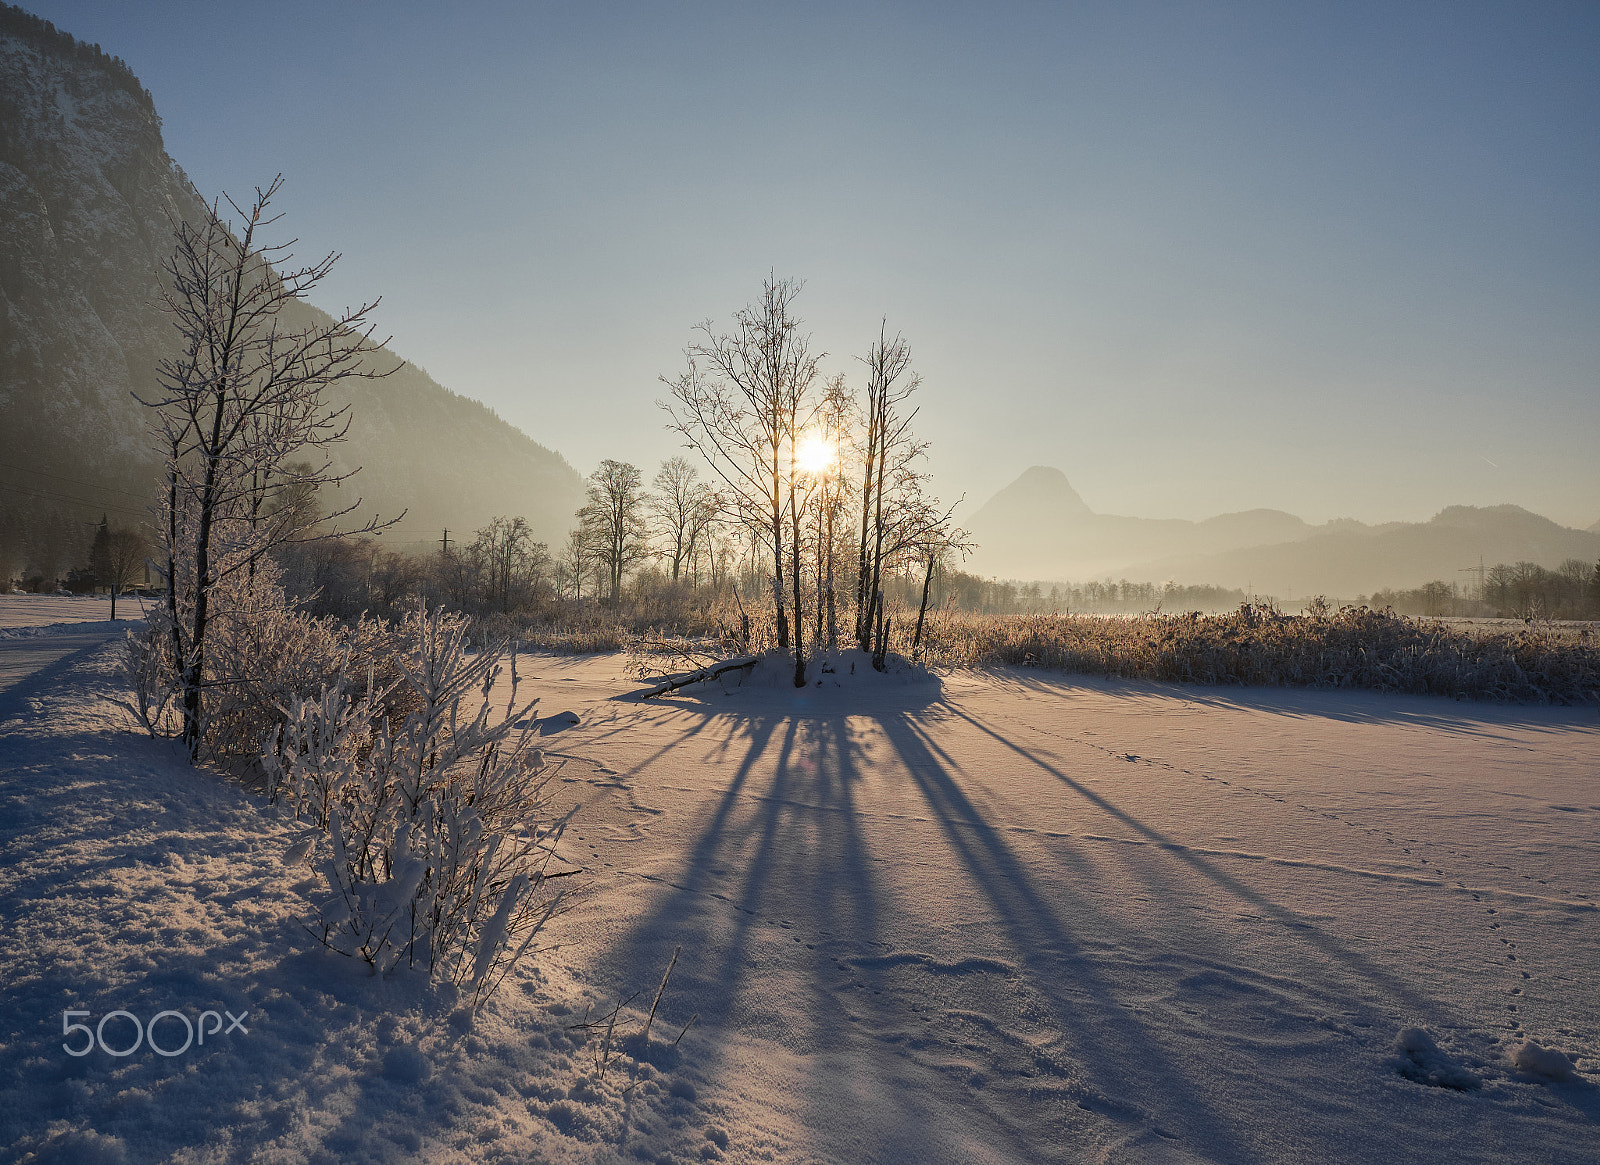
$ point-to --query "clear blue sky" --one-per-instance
(1339, 259)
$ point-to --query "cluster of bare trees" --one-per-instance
(680, 524)
(1521, 590)
(626, 537)
(798, 455)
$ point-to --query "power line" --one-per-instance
(37, 493)
(73, 481)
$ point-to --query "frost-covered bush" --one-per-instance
(1354, 647)
(261, 657)
(649, 620)
(437, 827)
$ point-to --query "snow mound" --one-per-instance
(35, 631)
(1541, 1061)
(829, 670)
(1419, 1058)
(835, 681)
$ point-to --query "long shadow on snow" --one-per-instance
(785, 859)
(1342, 705)
(1102, 1040)
(1363, 969)
(14, 699)
(799, 842)
(1033, 923)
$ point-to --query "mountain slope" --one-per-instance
(1345, 563)
(87, 199)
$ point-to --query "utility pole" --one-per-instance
(445, 543)
(1477, 570)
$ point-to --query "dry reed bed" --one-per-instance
(1354, 647)
(1257, 645)
(657, 627)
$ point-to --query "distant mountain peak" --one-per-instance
(1045, 487)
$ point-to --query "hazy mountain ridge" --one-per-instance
(1039, 527)
(87, 194)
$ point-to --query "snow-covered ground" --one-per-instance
(25, 610)
(1002, 917)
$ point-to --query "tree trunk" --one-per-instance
(796, 580)
(777, 562)
(816, 629)
(194, 675)
(881, 651)
(863, 575)
(927, 581)
(876, 562)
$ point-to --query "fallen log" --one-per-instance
(684, 679)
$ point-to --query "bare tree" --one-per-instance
(834, 490)
(613, 521)
(509, 561)
(577, 561)
(742, 404)
(682, 506)
(122, 561)
(888, 452)
(234, 411)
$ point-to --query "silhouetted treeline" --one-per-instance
(1523, 590)
(959, 591)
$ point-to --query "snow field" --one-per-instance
(1069, 920)
(23, 610)
(1002, 918)
(130, 882)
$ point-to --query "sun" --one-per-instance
(813, 455)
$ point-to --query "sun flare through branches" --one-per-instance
(814, 455)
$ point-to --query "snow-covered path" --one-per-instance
(1013, 918)
(31, 662)
(1043, 918)
(42, 635)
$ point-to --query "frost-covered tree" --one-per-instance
(243, 418)
(743, 403)
(613, 520)
(683, 507)
(888, 450)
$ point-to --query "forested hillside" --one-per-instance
(88, 195)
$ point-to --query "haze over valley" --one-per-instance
(1190, 261)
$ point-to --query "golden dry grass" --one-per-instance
(1352, 648)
